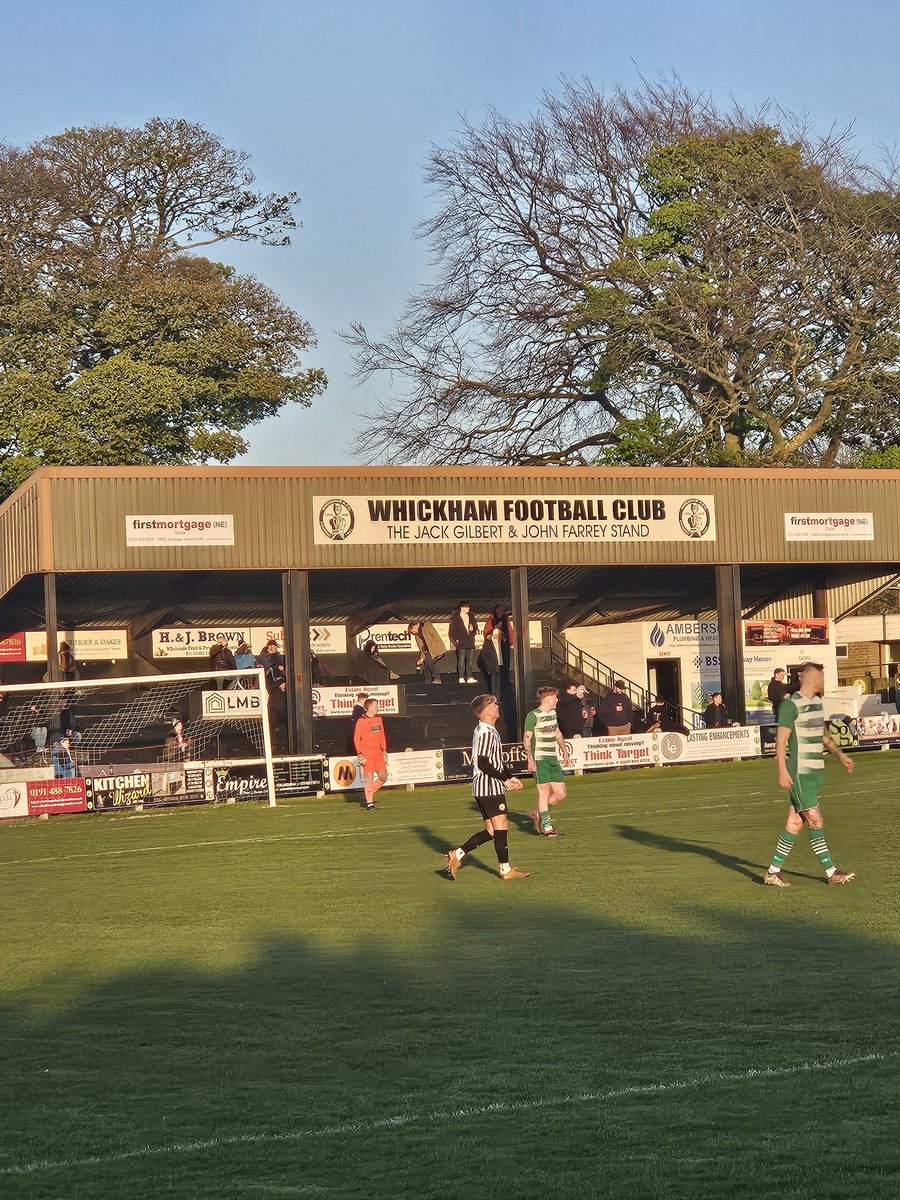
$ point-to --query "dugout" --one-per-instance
(140, 550)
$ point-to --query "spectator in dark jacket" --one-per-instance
(617, 710)
(494, 663)
(570, 710)
(716, 714)
(777, 691)
(463, 632)
(68, 667)
(221, 657)
(500, 617)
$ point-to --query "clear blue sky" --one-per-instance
(341, 101)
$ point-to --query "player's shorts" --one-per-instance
(492, 806)
(375, 764)
(548, 770)
(805, 792)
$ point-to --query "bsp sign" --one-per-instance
(232, 705)
(381, 520)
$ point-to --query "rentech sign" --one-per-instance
(361, 520)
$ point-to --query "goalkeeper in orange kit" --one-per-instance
(371, 750)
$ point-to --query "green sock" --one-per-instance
(783, 847)
(546, 822)
(820, 847)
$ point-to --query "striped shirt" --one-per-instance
(486, 744)
(543, 725)
(805, 718)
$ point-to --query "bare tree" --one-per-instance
(593, 304)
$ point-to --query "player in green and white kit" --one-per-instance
(542, 740)
(801, 742)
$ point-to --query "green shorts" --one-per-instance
(548, 770)
(805, 792)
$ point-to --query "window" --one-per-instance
(842, 651)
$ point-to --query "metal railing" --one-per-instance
(571, 658)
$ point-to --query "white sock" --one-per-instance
(504, 868)
(460, 854)
(829, 871)
(774, 870)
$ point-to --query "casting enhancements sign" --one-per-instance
(180, 530)
(829, 527)
(378, 520)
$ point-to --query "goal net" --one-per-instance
(95, 744)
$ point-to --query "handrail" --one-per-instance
(584, 663)
(598, 672)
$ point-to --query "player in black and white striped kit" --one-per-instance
(491, 779)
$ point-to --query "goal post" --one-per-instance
(71, 744)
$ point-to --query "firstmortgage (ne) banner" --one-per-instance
(377, 520)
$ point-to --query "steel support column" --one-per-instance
(521, 656)
(51, 624)
(731, 642)
(295, 602)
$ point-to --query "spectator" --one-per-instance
(178, 745)
(493, 662)
(272, 662)
(64, 723)
(587, 715)
(221, 657)
(430, 647)
(570, 710)
(39, 730)
(244, 660)
(68, 667)
(716, 714)
(500, 617)
(662, 719)
(63, 759)
(777, 691)
(617, 710)
(598, 728)
(463, 631)
(319, 671)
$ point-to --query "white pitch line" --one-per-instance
(420, 1118)
(325, 834)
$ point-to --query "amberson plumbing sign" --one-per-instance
(381, 520)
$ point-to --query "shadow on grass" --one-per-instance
(440, 846)
(733, 862)
(501, 1011)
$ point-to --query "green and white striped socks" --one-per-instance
(783, 847)
(820, 849)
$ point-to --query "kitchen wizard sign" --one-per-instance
(378, 520)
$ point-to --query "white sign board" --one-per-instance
(829, 527)
(232, 704)
(408, 766)
(392, 637)
(88, 645)
(593, 753)
(339, 701)
(195, 641)
(705, 745)
(444, 520)
(172, 529)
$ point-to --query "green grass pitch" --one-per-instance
(240, 1002)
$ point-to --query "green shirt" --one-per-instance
(805, 718)
(543, 726)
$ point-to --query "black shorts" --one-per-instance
(492, 806)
